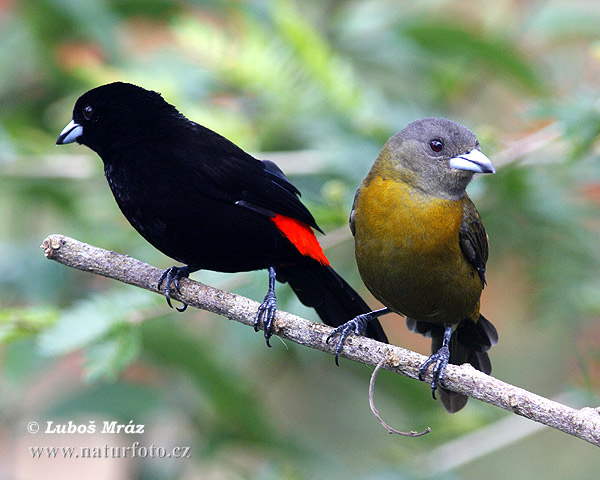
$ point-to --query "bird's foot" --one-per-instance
(358, 326)
(440, 361)
(172, 276)
(266, 310)
(266, 314)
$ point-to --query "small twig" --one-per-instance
(464, 379)
(389, 429)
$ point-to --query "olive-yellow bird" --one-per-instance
(421, 247)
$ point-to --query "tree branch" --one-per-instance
(465, 379)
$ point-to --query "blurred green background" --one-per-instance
(317, 86)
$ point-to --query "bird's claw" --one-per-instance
(266, 314)
(172, 276)
(358, 326)
(440, 361)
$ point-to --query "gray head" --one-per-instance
(435, 155)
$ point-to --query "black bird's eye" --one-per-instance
(88, 112)
(436, 145)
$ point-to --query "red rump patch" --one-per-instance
(302, 237)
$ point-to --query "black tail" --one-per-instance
(334, 300)
(469, 343)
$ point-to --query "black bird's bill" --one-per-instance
(70, 133)
(473, 161)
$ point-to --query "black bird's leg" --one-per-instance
(440, 360)
(358, 325)
(172, 276)
(267, 309)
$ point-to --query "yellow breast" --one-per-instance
(408, 252)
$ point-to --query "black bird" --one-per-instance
(206, 203)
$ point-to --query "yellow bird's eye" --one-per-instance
(436, 145)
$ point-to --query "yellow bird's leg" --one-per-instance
(357, 325)
(440, 360)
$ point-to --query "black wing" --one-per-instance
(473, 239)
(222, 170)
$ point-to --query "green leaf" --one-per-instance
(108, 358)
(22, 322)
(452, 43)
(91, 319)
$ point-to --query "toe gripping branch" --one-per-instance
(440, 361)
(266, 310)
(172, 276)
(358, 326)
